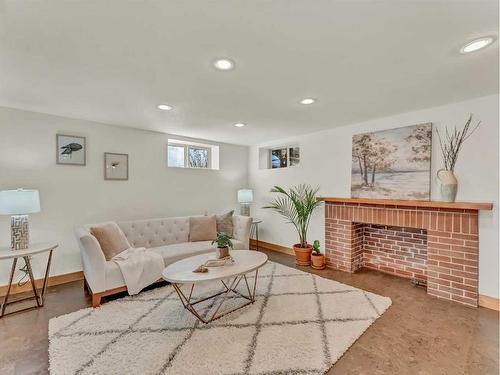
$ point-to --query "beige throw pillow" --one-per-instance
(111, 239)
(225, 223)
(202, 228)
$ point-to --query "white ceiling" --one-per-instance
(113, 61)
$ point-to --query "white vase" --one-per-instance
(449, 185)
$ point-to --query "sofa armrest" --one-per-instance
(241, 229)
(94, 262)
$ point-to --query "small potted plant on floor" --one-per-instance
(223, 242)
(318, 259)
(297, 206)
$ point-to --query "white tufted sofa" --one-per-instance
(168, 237)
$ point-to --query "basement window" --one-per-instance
(279, 157)
(187, 154)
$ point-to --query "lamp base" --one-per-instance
(245, 209)
(19, 232)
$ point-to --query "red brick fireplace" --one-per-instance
(434, 243)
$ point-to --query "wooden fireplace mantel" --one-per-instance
(411, 203)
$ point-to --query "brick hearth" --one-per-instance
(431, 242)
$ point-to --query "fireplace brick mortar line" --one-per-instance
(439, 246)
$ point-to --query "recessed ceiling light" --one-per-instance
(164, 107)
(239, 125)
(307, 101)
(477, 44)
(223, 64)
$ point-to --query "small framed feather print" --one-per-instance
(115, 166)
(70, 150)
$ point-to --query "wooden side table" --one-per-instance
(254, 231)
(38, 295)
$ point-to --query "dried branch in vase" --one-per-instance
(453, 141)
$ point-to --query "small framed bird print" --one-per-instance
(71, 149)
(115, 166)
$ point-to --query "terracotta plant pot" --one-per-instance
(222, 252)
(318, 261)
(302, 255)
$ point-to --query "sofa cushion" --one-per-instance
(225, 223)
(173, 253)
(110, 238)
(202, 228)
(156, 232)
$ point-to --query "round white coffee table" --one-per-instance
(181, 272)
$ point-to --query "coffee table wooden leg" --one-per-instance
(180, 294)
(233, 284)
(255, 283)
(186, 302)
(248, 289)
(229, 287)
(233, 288)
(191, 293)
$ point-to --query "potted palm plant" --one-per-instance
(318, 259)
(297, 205)
(223, 242)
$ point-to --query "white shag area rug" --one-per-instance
(299, 324)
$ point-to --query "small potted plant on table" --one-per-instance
(318, 259)
(223, 242)
(297, 206)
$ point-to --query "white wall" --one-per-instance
(73, 195)
(326, 161)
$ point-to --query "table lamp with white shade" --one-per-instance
(19, 203)
(245, 198)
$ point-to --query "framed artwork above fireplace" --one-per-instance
(392, 164)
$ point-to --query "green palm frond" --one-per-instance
(296, 205)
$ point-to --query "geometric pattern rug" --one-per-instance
(300, 323)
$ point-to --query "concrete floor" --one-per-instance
(417, 335)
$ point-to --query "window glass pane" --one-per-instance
(198, 157)
(294, 156)
(278, 158)
(176, 156)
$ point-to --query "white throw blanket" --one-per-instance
(140, 267)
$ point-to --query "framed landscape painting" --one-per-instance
(70, 150)
(392, 164)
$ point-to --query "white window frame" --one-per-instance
(287, 148)
(186, 147)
